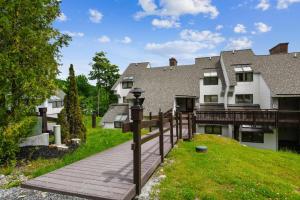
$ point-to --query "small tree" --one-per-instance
(73, 111)
(106, 74)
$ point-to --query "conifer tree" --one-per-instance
(73, 111)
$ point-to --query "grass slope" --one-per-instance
(229, 171)
(98, 139)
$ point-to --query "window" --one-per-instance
(125, 100)
(127, 84)
(244, 99)
(244, 73)
(57, 104)
(244, 77)
(254, 137)
(213, 130)
(119, 120)
(210, 78)
(210, 98)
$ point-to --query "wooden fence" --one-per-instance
(164, 122)
(276, 118)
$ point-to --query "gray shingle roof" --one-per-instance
(162, 84)
(238, 57)
(281, 72)
(113, 111)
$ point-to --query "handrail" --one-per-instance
(262, 117)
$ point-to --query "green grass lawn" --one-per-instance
(98, 139)
(228, 171)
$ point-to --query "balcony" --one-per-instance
(276, 118)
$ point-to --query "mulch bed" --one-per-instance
(35, 152)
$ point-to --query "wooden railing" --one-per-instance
(277, 118)
(164, 122)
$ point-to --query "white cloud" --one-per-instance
(62, 17)
(73, 34)
(126, 40)
(176, 9)
(95, 15)
(165, 23)
(239, 28)
(176, 47)
(219, 27)
(263, 5)
(104, 39)
(239, 43)
(206, 36)
(262, 27)
(284, 4)
(189, 44)
(148, 5)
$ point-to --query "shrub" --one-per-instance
(64, 124)
(10, 137)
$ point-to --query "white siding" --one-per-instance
(121, 92)
(247, 88)
(270, 141)
(211, 90)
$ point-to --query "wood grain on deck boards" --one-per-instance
(106, 175)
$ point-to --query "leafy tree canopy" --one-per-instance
(29, 55)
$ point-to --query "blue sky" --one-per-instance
(155, 30)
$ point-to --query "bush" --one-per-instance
(10, 137)
(63, 122)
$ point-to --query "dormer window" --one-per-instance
(244, 73)
(127, 82)
(210, 78)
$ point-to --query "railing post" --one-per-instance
(43, 114)
(94, 120)
(180, 125)
(171, 130)
(194, 125)
(161, 135)
(137, 117)
(177, 124)
(150, 118)
(189, 126)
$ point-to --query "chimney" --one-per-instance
(173, 61)
(281, 48)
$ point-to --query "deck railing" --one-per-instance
(275, 118)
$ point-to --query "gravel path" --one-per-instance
(27, 194)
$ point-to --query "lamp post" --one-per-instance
(137, 117)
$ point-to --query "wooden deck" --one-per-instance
(106, 175)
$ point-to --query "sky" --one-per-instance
(152, 31)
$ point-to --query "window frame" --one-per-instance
(210, 80)
(213, 130)
(244, 98)
(210, 97)
(244, 76)
(125, 84)
(253, 137)
(56, 103)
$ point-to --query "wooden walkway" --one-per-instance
(106, 175)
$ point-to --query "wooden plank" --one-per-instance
(106, 175)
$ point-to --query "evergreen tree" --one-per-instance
(72, 106)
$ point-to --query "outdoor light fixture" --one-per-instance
(137, 92)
